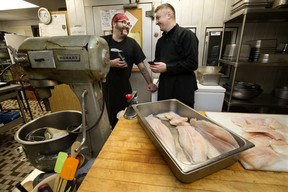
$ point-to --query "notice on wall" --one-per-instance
(132, 19)
(57, 27)
(106, 17)
(78, 30)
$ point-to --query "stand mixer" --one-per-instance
(82, 62)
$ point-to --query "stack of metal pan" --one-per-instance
(251, 4)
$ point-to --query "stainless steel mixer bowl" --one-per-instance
(43, 154)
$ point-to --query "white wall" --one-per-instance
(194, 13)
(19, 27)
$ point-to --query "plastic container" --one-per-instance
(6, 117)
(49, 180)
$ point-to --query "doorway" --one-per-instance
(212, 43)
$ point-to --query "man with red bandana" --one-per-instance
(124, 52)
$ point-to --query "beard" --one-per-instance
(123, 30)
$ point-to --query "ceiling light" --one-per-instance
(16, 4)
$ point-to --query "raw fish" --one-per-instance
(268, 136)
(260, 157)
(179, 121)
(204, 126)
(264, 130)
(260, 122)
(212, 151)
(162, 132)
(258, 139)
(280, 147)
(181, 156)
(273, 123)
(193, 144)
(173, 118)
(167, 116)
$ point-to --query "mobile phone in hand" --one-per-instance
(151, 62)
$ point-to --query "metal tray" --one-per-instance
(187, 174)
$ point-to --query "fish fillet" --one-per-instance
(274, 124)
(180, 154)
(162, 132)
(193, 144)
(264, 130)
(268, 135)
(259, 122)
(280, 147)
(258, 139)
(216, 131)
(260, 157)
(167, 115)
(212, 151)
(179, 121)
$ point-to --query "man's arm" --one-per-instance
(144, 71)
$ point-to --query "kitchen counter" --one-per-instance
(130, 162)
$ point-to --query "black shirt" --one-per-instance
(117, 83)
(179, 50)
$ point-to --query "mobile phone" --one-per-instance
(151, 62)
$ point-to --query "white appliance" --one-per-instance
(207, 98)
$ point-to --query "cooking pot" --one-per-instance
(244, 90)
(281, 92)
(42, 154)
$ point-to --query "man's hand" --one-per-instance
(117, 63)
(158, 67)
(152, 87)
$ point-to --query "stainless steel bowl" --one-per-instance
(246, 94)
(209, 69)
(43, 154)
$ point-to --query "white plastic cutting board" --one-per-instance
(224, 119)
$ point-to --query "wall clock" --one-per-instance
(44, 15)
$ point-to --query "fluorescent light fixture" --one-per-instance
(16, 4)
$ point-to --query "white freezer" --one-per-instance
(207, 98)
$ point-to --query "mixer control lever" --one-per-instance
(131, 99)
(84, 93)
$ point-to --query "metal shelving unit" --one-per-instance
(9, 92)
(252, 15)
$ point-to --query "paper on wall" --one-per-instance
(106, 17)
(57, 27)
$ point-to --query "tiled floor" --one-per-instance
(14, 167)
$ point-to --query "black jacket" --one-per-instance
(179, 50)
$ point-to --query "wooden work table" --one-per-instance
(130, 162)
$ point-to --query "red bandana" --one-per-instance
(119, 17)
